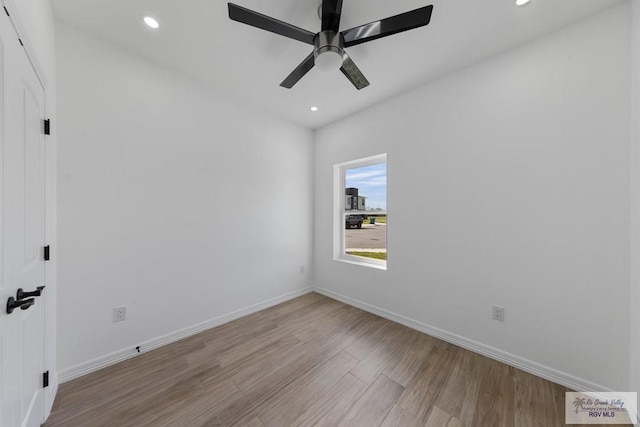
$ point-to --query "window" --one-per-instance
(360, 211)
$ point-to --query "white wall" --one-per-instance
(508, 184)
(36, 27)
(174, 201)
(36, 18)
(635, 200)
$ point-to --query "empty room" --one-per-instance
(319, 213)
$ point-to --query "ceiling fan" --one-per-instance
(329, 44)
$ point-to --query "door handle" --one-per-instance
(20, 295)
(24, 304)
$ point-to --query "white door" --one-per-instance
(22, 202)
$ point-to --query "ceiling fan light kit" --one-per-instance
(329, 43)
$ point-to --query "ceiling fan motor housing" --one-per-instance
(328, 41)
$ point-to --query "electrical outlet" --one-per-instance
(119, 314)
(302, 269)
(498, 313)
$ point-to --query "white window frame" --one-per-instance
(339, 174)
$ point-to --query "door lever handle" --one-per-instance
(24, 304)
(20, 295)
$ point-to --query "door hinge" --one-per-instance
(47, 127)
(47, 253)
(45, 379)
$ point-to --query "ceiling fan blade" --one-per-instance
(353, 73)
(299, 72)
(388, 26)
(331, 12)
(264, 22)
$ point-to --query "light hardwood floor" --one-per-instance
(309, 361)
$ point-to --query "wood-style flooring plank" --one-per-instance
(362, 346)
(385, 354)
(440, 418)
(331, 406)
(277, 356)
(409, 358)
(344, 319)
(200, 410)
(460, 391)
(249, 421)
(495, 406)
(309, 356)
(422, 392)
(532, 407)
(342, 339)
(374, 405)
(294, 399)
(399, 417)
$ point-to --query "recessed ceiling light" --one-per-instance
(522, 2)
(314, 109)
(150, 22)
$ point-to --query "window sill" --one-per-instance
(363, 262)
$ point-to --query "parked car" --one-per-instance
(354, 220)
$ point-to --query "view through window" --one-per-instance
(365, 210)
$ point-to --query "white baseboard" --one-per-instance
(542, 371)
(98, 363)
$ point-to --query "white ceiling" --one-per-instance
(198, 39)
